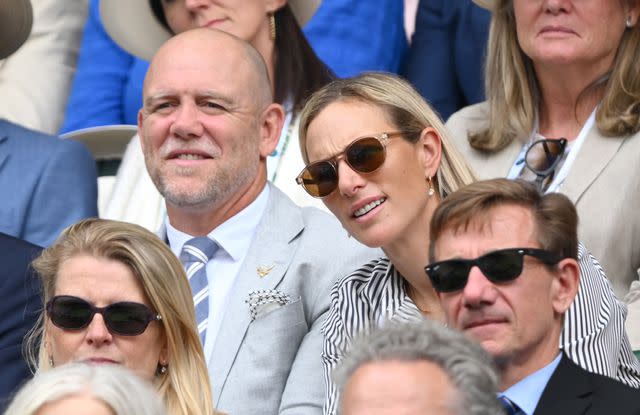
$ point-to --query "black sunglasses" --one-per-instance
(543, 157)
(497, 266)
(364, 155)
(123, 318)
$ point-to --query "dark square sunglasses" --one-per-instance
(497, 266)
(123, 318)
(543, 157)
(364, 155)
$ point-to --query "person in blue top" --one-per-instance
(350, 36)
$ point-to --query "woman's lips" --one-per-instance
(562, 30)
(214, 23)
(100, 361)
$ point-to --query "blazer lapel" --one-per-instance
(266, 263)
(492, 165)
(568, 391)
(595, 154)
(500, 164)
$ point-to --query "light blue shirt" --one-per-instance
(528, 391)
(234, 238)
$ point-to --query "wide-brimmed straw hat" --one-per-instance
(134, 27)
(16, 18)
(485, 4)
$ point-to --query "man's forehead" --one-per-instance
(497, 227)
(201, 76)
(216, 67)
(508, 217)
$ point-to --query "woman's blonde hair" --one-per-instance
(513, 95)
(404, 107)
(185, 386)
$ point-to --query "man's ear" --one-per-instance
(565, 284)
(430, 147)
(271, 125)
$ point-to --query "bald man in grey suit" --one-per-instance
(207, 126)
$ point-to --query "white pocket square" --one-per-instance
(264, 301)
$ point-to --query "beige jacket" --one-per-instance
(603, 183)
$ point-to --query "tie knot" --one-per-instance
(199, 249)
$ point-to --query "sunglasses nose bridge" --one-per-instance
(97, 329)
(478, 286)
(349, 180)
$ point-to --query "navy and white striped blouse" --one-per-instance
(593, 335)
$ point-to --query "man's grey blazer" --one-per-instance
(272, 364)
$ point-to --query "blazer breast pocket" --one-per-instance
(281, 318)
(276, 336)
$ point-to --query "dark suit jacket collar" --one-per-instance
(569, 391)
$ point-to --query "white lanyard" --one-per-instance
(519, 163)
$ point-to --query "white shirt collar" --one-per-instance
(234, 235)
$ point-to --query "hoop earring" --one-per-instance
(431, 191)
(272, 26)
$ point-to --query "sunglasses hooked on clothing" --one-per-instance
(363, 155)
(543, 157)
(123, 318)
(499, 266)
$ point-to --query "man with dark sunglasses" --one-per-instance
(504, 259)
(264, 265)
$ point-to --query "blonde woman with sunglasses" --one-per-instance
(381, 161)
(114, 293)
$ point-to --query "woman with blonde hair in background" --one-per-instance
(563, 110)
(114, 293)
(381, 160)
(80, 388)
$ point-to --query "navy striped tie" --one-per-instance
(509, 406)
(195, 254)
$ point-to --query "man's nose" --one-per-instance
(187, 123)
(479, 290)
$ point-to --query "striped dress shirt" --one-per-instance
(593, 335)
